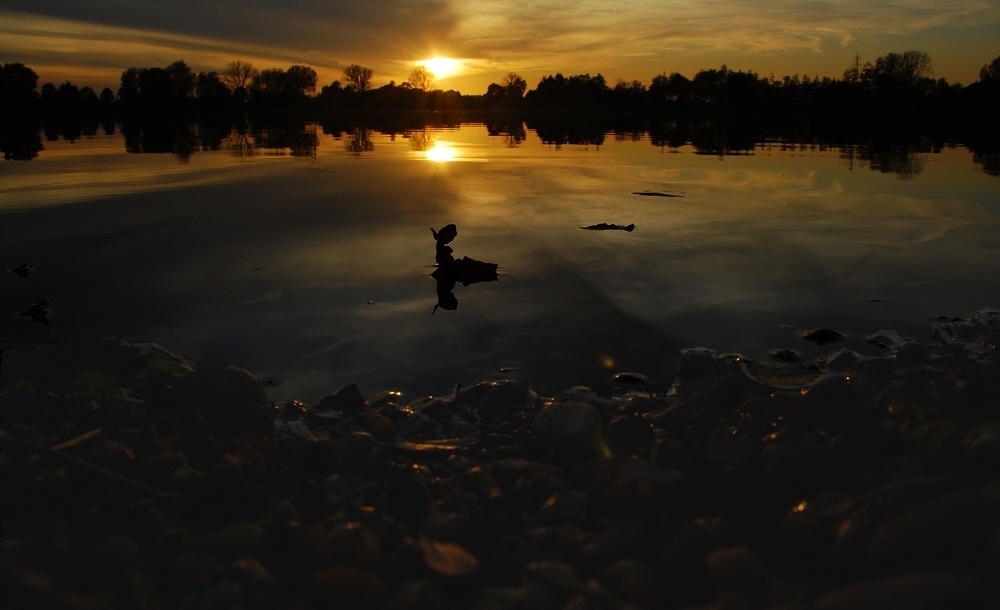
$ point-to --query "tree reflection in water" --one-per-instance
(902, 150)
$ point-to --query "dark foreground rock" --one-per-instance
(131, 479)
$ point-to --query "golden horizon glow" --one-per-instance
(442, 67)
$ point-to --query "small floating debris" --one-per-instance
(21, 270)
(627, 377)
(657, 194)
(822, 336)
(370, 302)
(39, 312)
(508, 369)
(612, 227)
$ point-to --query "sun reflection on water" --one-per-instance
(442, 152)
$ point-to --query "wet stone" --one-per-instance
(949, 532)
(353, 544)
(630, 434)
(739, 569)
(347, 400)
(920, 591)
(505, 398)
(563, 507)
(571, 427)
(631, 581)
(822, 336)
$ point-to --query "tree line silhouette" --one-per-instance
(895, 83)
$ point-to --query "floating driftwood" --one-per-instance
(657, 194)
(606, 227)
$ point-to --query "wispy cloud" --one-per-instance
(493, 36)
(558, 28)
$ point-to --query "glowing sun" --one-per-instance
(442, 67)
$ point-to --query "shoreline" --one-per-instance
(863, 480)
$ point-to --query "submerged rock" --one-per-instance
(822, 336)
(38, 312)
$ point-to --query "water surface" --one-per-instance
(310, 263)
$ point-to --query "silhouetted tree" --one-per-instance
(359, 78)
(275, 88)
(990, 71)
(107, 99)
(49, 98)
(706, 86)
(513, 85)
(156, 90)
(211, 93)
(658, 88)
(421, 78)
(183, 80)
(128, 91)
(269, 82)
(507, 95)
(237, 75)
(18, 88)
(302, 79)
(898, 69)
(581, 91)
(67, 96)
(665, 89)
(331, 95)
(629, 95)
(87, 101)
(743, 91)
(982, 98)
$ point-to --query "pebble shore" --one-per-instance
(132, 479)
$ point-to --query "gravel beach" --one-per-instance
(133, 479)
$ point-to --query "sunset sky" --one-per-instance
(91, 43)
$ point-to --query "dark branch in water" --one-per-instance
(451, 271)
(657, 194)
(606, 227)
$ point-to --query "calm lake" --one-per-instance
(306, 258)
